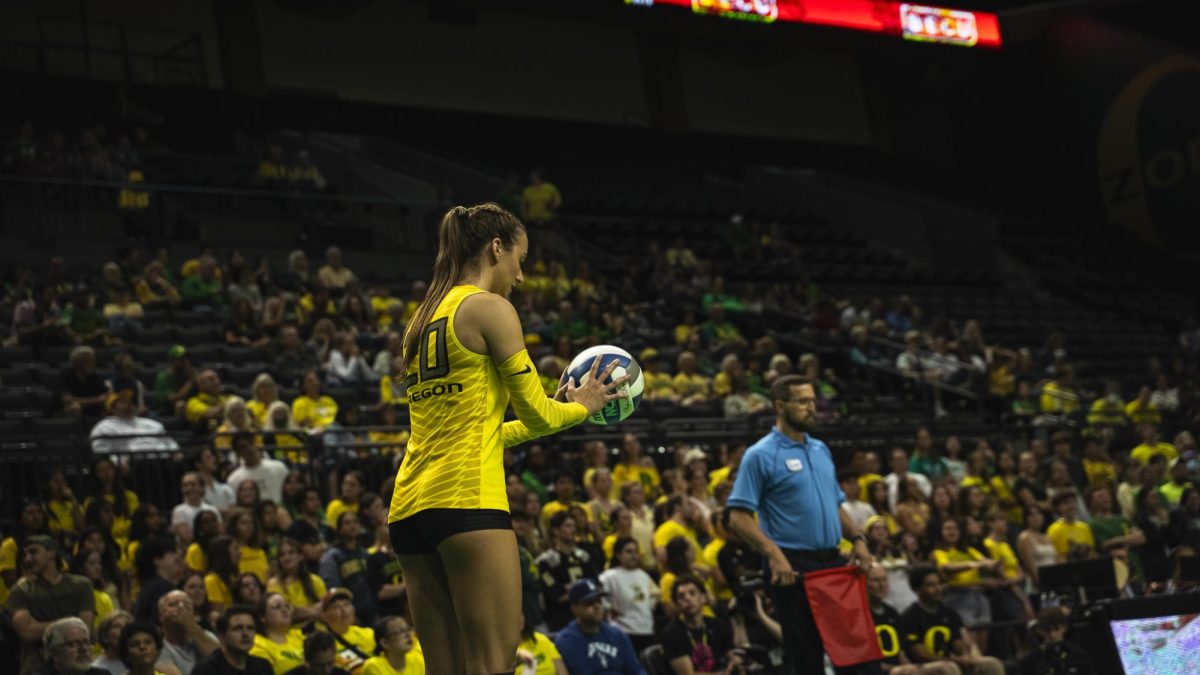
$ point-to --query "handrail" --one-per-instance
(194, 189)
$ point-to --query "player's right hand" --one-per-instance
(594, 394)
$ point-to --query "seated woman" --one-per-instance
(282, 433)
(237, 420)
(963, 567)
(347, 366)
(312, 410)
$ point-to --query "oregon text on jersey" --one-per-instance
(435, 390)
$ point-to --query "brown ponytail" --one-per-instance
(462, 235)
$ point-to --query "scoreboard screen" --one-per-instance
(920, 23)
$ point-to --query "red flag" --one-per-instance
(838, 597)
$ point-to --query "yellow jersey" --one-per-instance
(282, 657)
(414, 664)
(1063, 534)
(965, 578)
(456, 400)
(544, 653)
(294, 590)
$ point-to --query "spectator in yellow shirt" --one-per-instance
(564, 499)
(1141, 411)
(1110, 410)
(272, 171)
(540, 201)
(1152, 445)
(263, 393)
(1072, 538)
(677, 524)
(633, 468)
(1059, 396)
(313, 410)
(205, 410)
(692, 387)
(333, 274)
(399, 653)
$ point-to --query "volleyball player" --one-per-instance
(464, 360)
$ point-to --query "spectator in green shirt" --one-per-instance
(925, 459)
(203, 289)
(1112, 531)
(174, 385)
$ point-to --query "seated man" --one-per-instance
(67, 648)
(206, 409)
(148, 435)
(694, 643)
(933, 631)
(236, 630)
(589, 645)
(320, 654)
(891, 638)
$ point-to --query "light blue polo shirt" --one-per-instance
(793, 487)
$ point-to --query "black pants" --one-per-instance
(804, 653)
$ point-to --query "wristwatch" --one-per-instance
(858, 538)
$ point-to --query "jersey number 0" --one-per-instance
(441, 362)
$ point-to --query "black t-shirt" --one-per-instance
(216, 664)
(382, 569)
(557, 571)
(303, 670)
(708, 647)
(737, 559)
(146, 608)
(937, 631)
(1057, 658)
(887, 631)
(1038, 492)
(91, 385)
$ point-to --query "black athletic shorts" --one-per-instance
(420, 533)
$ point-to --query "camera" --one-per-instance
(747, 586)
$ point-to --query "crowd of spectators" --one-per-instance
(626, 546)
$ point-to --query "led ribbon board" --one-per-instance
(920, 23)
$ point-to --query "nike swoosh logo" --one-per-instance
(528, 368)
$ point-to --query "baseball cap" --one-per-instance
(304, 532)
(586, 589)
(334, 594)
(176, 352)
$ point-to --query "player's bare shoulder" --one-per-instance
(482, 315)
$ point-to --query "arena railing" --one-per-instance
(56, 209)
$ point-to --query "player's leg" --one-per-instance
(433, 612)
(484, 571)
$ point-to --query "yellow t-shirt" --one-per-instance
(195, 558)
(1100, 472)
(104, 607)
(319, 412)
(543, 651)
(121, 524)
(335, 509)
(199, 404)
(864, 484)
(1062, 534)
(624, 473)
(718, 476)
(540, 201)
(553, 507)
(391, 391)
(1139, 414)
(456, 403)
(282, 657)
(690, 385)
(1059, 401)
(965, 578)
(1002, 551)
(254, 560)
(1144, 453)
(258, 411)
(671, 529)
(59, 517)
(658, 385)
(708, 557)
(414, 664)
(294, 591)
(218, 591)
(1002, 492)
(360, 637)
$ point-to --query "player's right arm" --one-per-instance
(499, 328)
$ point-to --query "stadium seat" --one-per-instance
(56, 426)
